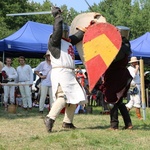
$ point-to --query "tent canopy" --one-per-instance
(141, 46)
(31, 38)
(30, 41)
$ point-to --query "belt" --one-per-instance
(63, 67)
(23, 81)
(7, 80)
(12, 80)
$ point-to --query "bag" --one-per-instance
(133, 90)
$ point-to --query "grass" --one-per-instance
(26, 131)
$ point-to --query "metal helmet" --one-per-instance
(110, 106)
(124, 31)
(65, 30)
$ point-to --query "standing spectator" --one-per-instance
(9, 73)
(66, 90)
(25, 76)
(135, 96)
(45, 85)
(80, 77)
(115, 86)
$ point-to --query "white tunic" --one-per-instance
(11, 72)
(63, 74)
(25, 74)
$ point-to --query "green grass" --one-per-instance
(26, 131)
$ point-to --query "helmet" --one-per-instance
(124, 31)
(110, 106)
(65, 31)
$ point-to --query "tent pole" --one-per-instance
(142, 88)
(3, 58)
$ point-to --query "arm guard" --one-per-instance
(77, 37)
(54, 44)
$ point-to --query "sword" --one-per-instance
(31, 13)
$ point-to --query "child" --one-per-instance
(18, 97)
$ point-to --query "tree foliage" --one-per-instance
(132, 13)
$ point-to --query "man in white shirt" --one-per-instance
(10, 76)
(44, 68)
(25, 76)
(135, 98)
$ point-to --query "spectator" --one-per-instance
(25, 78)
(135, 96)
(80, 77)
(18, 97)
(9, 74)
(44, 68)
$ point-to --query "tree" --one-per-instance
(126, 13)
(3, 28)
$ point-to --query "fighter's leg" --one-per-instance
(69, 115)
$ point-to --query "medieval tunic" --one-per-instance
(117, 82)
(63, 74)
(62, 60)
(25, 76)
(9, 90)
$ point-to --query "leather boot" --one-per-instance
(138, 113)
(49, 124)
(68, 125)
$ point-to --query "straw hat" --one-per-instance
(133, 59)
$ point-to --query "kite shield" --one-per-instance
(83, 20)
(101, 44)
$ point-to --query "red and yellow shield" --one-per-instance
(101, 44)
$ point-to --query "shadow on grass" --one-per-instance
(143, 127)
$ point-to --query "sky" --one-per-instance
(78, 5)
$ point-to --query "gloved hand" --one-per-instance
(4, 75)
(56, 11)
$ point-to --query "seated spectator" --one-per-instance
(18, 97)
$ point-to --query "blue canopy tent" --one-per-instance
(30, 41)
(141, 46)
